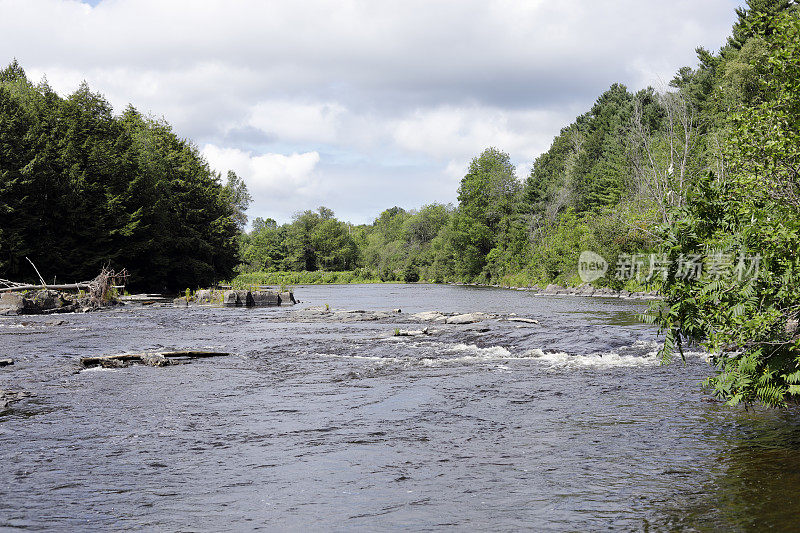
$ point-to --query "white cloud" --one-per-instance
(275, 181)
(461, 132)
(375, 89)
(296, 121)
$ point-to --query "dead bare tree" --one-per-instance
(663, 161)
(716, 151)
(565, 191)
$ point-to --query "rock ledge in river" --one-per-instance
(467, 318)
(257, 298)
(47, 301)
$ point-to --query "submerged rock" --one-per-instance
(477, 328)
(7, 397)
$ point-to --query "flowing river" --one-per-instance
(332, 423)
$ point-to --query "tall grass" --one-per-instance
(317, 277)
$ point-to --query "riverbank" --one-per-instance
(355, 277)
(48, 301)
(581, 290)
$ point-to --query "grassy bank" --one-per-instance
(318, 277)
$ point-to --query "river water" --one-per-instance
(334, 424)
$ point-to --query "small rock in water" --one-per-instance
(410, 332)
(553, 289)
(6, 362)
(467, 318)
(428, 315)
(155, 359)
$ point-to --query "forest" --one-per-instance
(81, 188)
(705, 168)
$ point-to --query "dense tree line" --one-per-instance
(81, 188)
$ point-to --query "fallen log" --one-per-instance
(523, 320)
(63, 287)
(411, 332)
(146, 358)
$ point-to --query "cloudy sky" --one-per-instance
(358, 105)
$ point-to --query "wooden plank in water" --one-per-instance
(151, 358)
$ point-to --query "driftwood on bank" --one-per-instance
(64, 287)
(97, 288)
(147, 358)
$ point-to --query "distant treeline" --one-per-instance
(585, 192)
(81, 188)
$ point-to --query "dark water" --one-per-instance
(566, 425)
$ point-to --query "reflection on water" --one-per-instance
(755, 484)
(569, 424)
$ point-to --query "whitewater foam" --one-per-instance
(598, 360)
(434, 354)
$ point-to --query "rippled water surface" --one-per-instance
(332, 423)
